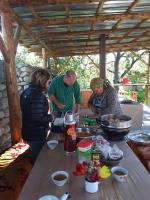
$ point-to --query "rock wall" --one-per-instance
(23, 78)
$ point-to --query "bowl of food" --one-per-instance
(119, 173)
(111, 162)
(83, 133)
(60, 177)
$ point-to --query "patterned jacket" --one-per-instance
(106, 103)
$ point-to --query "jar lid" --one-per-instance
(85, 143)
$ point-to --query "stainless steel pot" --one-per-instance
(116, 121)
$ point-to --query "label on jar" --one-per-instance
(95, 156)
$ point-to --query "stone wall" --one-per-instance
(23, 77)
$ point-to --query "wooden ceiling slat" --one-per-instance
(130, 27)
(93, 32)
(16, 3)
(89, 19)
(50, 42)
(90, 47)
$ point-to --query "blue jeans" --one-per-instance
(36, 147)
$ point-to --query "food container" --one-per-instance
(84, 156)
(110, 162)
(83, 133)
(84, 150)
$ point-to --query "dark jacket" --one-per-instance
(35, 117)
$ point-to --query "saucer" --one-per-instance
(48, 197)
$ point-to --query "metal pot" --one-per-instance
(116, 121)
(115, 126)
(114, 133)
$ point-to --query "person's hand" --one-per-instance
(61, 106)
(93, 109)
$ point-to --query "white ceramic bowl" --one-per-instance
(119, 173)
(48, 197)
(52, 144)
(60, 177)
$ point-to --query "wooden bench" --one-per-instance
(15, 166)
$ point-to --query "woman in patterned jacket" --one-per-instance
(104, 99)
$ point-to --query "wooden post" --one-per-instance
(147, 87)
(45, 59)
(11, 80)
(102, 57)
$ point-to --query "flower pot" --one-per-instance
(91, 187)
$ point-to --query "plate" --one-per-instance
(48, 197)
(140, 138)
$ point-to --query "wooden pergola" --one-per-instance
(63, 28)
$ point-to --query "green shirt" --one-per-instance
(64, 94)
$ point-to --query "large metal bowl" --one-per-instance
(114, 133)
(116, 121)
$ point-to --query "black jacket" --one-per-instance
(35, 117)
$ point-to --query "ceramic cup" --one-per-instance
(91, 187)
(60, 177)
(119, 173)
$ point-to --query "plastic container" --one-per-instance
(84, 156)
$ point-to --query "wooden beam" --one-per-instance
(147, 87)
(16, 37)
(11, 79)
(25, 26)
(74, 40)
(16, 3)
(4, 50)
(91, 19)
(102, 57)
(93, 32)
(94, 51)
(148, 78)
(100, 7)
(45, 59)
(133, 4)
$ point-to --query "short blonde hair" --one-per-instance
(96, 83)
(39, 78)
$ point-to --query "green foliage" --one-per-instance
(140, 96)
(88, 67)
(83, 67)
(23, 57)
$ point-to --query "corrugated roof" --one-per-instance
(68, 28)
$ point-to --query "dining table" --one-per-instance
(135, 187)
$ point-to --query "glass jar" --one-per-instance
(70, 137)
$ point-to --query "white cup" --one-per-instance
(119, 173)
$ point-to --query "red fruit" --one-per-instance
(79, 166)
(77, 174)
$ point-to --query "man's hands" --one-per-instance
(61, 106)
(58, 104)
